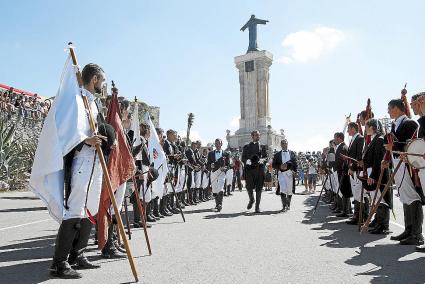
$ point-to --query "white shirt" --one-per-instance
(218, 154)
(337, 146)
(285, 156)
(399, 120)
(352, 139)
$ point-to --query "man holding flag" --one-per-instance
(66, 160)
(121, 167)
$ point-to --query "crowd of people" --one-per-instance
(22, 108)
(375, 164)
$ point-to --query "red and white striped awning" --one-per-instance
(18, 91)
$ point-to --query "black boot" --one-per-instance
(416, 214)
(167, 206)
(136, 213)
(345, 202)
(355, 218)
(155, 210)
(220, 201)
(288, 202)
(380, 227)
(257, 201)
(216, 200)
(251, 199)
(407, 225)
(228, 190)
(283, 199)
(149, 216)
(184, 199)
(110, 250)
(66, 234)
(77, 257)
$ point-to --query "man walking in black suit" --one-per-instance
(253, 156)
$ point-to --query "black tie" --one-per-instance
(393, 128)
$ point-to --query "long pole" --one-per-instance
(318, 199)
(106, 177)
(170, 177)
(142, 214)
(387, 186)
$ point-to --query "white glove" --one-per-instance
(248, 162)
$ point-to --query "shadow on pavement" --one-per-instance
(386, 258)
(23, 209)
(37, 249)
(20, 198)
(238, 214)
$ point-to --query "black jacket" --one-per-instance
(224, 161)
(405, 131)
(292, 163)
(341, 169)
(373, 155)
(253, 152)
(355, 151)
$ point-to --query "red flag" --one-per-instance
(121, 167)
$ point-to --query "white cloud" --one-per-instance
(307, 46)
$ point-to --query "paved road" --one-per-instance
(234, 246)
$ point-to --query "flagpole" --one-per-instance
(106, 176)
(138, 202)
(142, 214)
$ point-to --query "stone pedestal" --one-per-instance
(254, 100)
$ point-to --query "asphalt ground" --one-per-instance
(233, 246)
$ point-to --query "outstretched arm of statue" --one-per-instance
(245, 26)
(261, 22)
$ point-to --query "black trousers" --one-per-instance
(254, 178)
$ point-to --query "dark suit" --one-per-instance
(341, 169)
(373, 155)
(355, 151)
(405, 131)
(211, 160)
(254, 173)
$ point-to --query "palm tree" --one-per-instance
(190, 119)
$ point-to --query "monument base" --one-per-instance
(268, 137)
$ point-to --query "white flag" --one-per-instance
(159, 159)
(135, 127)
(66, 125)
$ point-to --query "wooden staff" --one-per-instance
(170, 177)
(142, 214)
(408, 154)
(106, 176)
(361, 209)
(387, 187)
(139, 204)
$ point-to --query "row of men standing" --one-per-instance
(355, 171)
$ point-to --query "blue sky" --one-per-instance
(329, 56)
